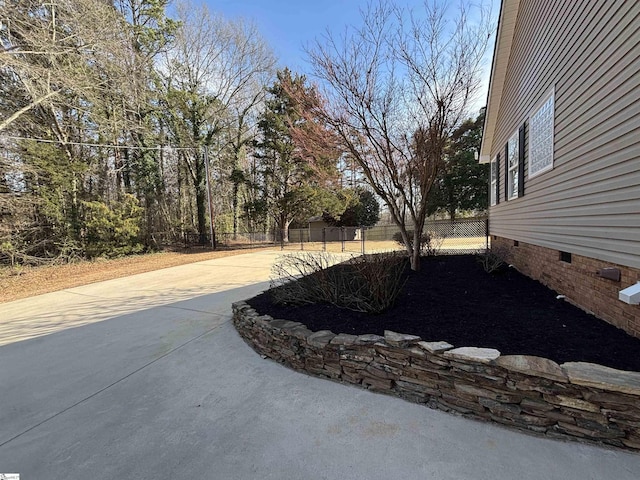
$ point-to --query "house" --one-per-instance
(321, 231)
(317, 230)
(562, 135)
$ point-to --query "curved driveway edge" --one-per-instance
(162, 388)
(578, 401)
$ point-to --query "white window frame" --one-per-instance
(512, 165)
(541, 135)
(493, 179)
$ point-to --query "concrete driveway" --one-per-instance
(144, 377)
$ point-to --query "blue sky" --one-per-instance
(289, 25)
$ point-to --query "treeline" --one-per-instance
(123, 129)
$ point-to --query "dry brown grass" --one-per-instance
(30, 281)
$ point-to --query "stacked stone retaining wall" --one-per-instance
(573, 400)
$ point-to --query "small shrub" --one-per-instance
(299, 279)
(69, 251)
(430, 246)
(379, 281)
(430, 242)
(8, 253)
(492, 259)
(369, 283)
(113, 231)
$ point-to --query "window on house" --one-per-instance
(541, 138)
(493, 186)
(513, 150)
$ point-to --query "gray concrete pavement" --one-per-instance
(145, 378)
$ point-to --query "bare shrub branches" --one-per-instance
(430, 242)
(493, 259)
(369, 283)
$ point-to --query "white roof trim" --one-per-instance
(501, 54)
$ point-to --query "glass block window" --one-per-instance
(493, 181)
(541, 138)
(513, 149)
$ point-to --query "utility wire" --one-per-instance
(101, 145)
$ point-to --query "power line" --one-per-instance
(101, 145)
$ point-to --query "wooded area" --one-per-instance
(123, 129)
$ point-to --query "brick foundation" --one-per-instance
(577, 280)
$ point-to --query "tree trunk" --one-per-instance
(180, 194)
(414, 256)
(201, 197)
(283, 226)
(414, 260)
(235, 209)
(118, 164)
(4, 185)
(126, 172)
(75, 217)
(235, 177)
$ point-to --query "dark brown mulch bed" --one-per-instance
(453, 299)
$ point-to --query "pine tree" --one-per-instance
(294, 187)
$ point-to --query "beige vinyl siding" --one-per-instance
(589, 54)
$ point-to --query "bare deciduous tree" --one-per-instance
(397, 87)
(44, 51)
(214, 78)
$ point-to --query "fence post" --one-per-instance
(301, 243)
(342, 235)
(486, 232)
(362, 230)
(324, 239)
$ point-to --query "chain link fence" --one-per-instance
(468, 235)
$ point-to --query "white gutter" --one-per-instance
(500, 63)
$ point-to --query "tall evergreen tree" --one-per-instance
(462, 182)
(293, 185)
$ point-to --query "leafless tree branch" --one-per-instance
(397, 87)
